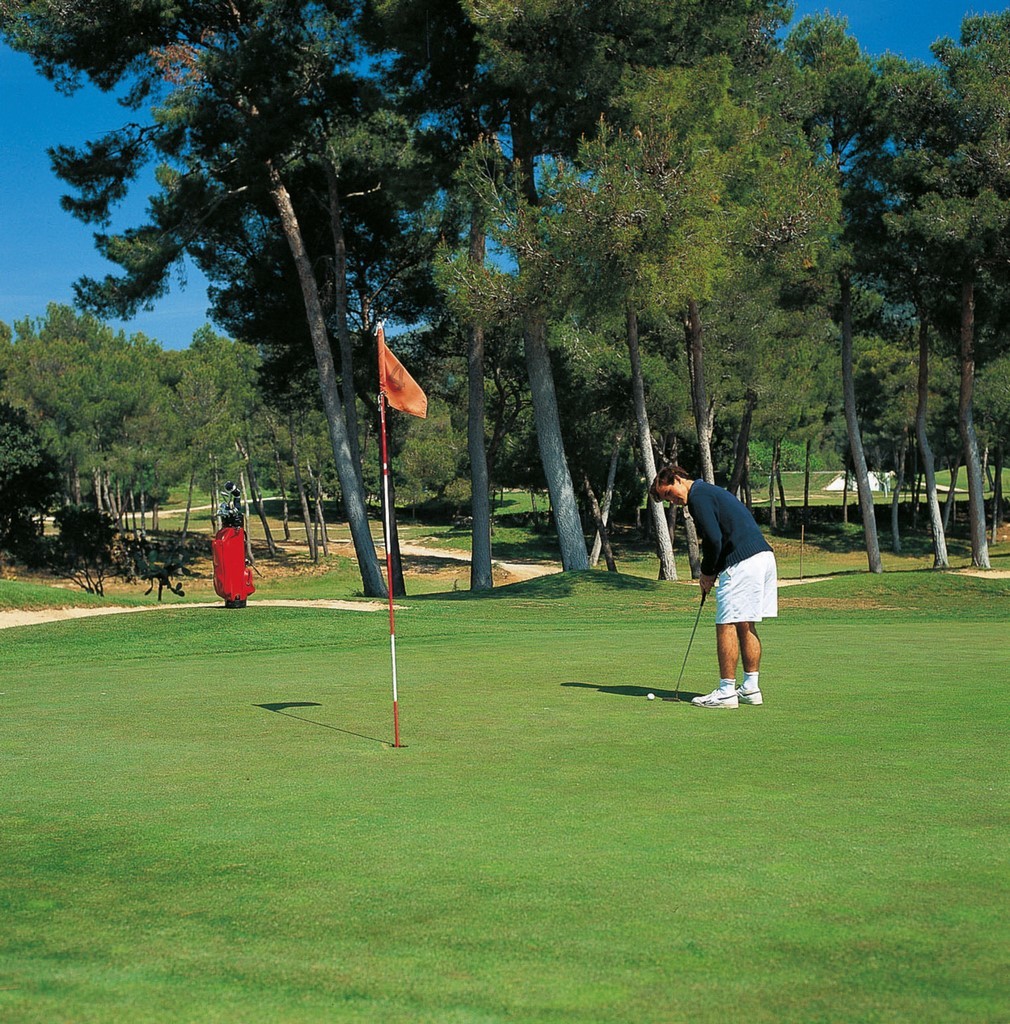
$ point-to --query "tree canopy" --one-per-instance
(536, 193)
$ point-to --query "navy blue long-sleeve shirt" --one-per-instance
(727, 528)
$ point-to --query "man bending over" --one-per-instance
(736, 554)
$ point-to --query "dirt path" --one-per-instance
(8, 619)
(517, 570)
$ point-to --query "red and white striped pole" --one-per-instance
(386, 532)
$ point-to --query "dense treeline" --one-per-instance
(614, 234)
(89, 415)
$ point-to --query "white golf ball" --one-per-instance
(652, 696)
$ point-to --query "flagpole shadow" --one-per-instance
(281, 708)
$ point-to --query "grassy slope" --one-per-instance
(16, 595)
(548, 847)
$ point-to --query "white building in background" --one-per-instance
(877, 483)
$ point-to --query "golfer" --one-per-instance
(734, 553)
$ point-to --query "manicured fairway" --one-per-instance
(203, 819)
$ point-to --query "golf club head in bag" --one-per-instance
(230, 511)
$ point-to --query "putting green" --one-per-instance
(205, 821)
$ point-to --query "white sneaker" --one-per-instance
(751, 697)
(717, 699)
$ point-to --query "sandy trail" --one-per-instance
(517, 570)
(8, 619)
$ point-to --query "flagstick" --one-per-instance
(386, 531)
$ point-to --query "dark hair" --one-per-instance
(666, 476)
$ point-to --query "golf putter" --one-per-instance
(676, 693)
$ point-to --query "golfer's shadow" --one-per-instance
(282, 708)
(634, 691)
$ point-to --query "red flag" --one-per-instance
(401, 390)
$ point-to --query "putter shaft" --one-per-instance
(676, 693)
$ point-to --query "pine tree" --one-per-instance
(239, 97)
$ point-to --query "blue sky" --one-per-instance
(43, 250)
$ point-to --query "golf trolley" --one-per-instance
(232, 575)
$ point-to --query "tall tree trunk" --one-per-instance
(340, 313)
(997, 492)
(189, 504)
(671, 524)
(567, 521)
(855, 438)
(772, 512)
(257, 497)
(322, 538)
(916, 485)
(966, 427)
(215, 494)
(672, 455)
(951, 499)
(936, 525)
(114, 506)
(742, 443)
(693, 332)
(523, 146)
(667, 566)
(601, 524)
(481, 576)
(608, 497)
(348, 470)
(899, 482)
(282, 487)
(806, 481)
(303, 499)
(693, 545)
(782, 491)
(118, 501)
(571, 541)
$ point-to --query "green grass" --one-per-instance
(547, 847)
(16, 595)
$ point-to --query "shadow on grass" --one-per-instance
(834, 574)
(850, 539)
(282, 709)
(436, 563)
(557, 585)
(531, 548)
(634, 691)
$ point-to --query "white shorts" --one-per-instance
(748, 591)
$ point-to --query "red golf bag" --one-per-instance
(232, 577)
